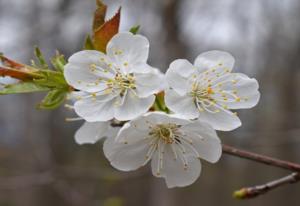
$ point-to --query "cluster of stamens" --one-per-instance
(168, 135)
(121, 83)
(208, 94)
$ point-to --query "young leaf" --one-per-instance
(17, 70)
(23, 87)
(135, 29)
(88, 44)
(99, 15)
(39, 55)
(11, 63)
(52, 79)
(104, 33)
(21, 74)
(53, 99)
(58, 62)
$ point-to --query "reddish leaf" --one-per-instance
(16, 70)
(17, 74)
(99, 16)
(105, 32)
(10, 63)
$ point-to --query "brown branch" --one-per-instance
(251, 192)
(261, 158)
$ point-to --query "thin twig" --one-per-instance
(261, 158)
(251, 192)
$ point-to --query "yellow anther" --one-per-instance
(125, 64)
(210, 90)
(238, 99)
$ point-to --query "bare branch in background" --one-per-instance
(251, 192)
(261, 158)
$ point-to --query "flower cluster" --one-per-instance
(119, 86)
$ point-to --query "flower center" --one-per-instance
(199, 92)
(122, 82)
(165, 132)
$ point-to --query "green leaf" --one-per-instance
(159, 104)
(58, 62)
(88, 44)
(24, 87)
(53, 99)
(40, 57)
(135, 29)
(52, 79)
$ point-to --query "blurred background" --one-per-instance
(40, 163)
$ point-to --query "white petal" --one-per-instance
(142, 67)
(95, 109)
(76, 95)
(242, 91)
(173, 170)
(126, 157)
(178, 75)
(86, 57)
(126, 49)
(78, 72)
(204, 140)
(133, 106)
(133, 131)
(149, 83)
(184, 105)
(91, 132)
(161, 118)
(214, 59)
(223, 120)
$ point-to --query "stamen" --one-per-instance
(68, 106)
(72, 119)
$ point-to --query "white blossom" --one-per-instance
(208, 89)
(119, 84)
(92, 132)
(173, 145)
